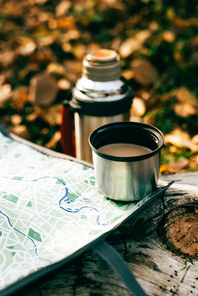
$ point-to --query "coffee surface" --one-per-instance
(124, 149)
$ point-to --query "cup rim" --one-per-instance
(151, 130)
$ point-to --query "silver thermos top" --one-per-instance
(99, 97)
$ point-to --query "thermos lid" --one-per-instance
(102, 55)
(101, 91)
(102, 65)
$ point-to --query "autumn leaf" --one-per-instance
(177, 138)
(133, 44)
(144, 72)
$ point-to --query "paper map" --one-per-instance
(49, 208)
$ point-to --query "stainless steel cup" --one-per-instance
(126, 178)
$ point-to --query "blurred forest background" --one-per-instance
(43, 42)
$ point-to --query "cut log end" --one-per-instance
(178, 230)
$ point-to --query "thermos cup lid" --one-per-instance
(102, 65)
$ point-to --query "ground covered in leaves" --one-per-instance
(42, 43)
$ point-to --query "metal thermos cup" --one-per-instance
(124, 177)
(100, 96)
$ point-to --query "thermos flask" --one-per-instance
(100, 96)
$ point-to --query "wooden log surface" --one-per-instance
(160, 245)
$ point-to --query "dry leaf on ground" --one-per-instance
(177, 138)
(138, 107)
(192, 144)
(184, 95)
(45, 89)
(144, 72)
(185, 109)
(133, 44)
(175, 167)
